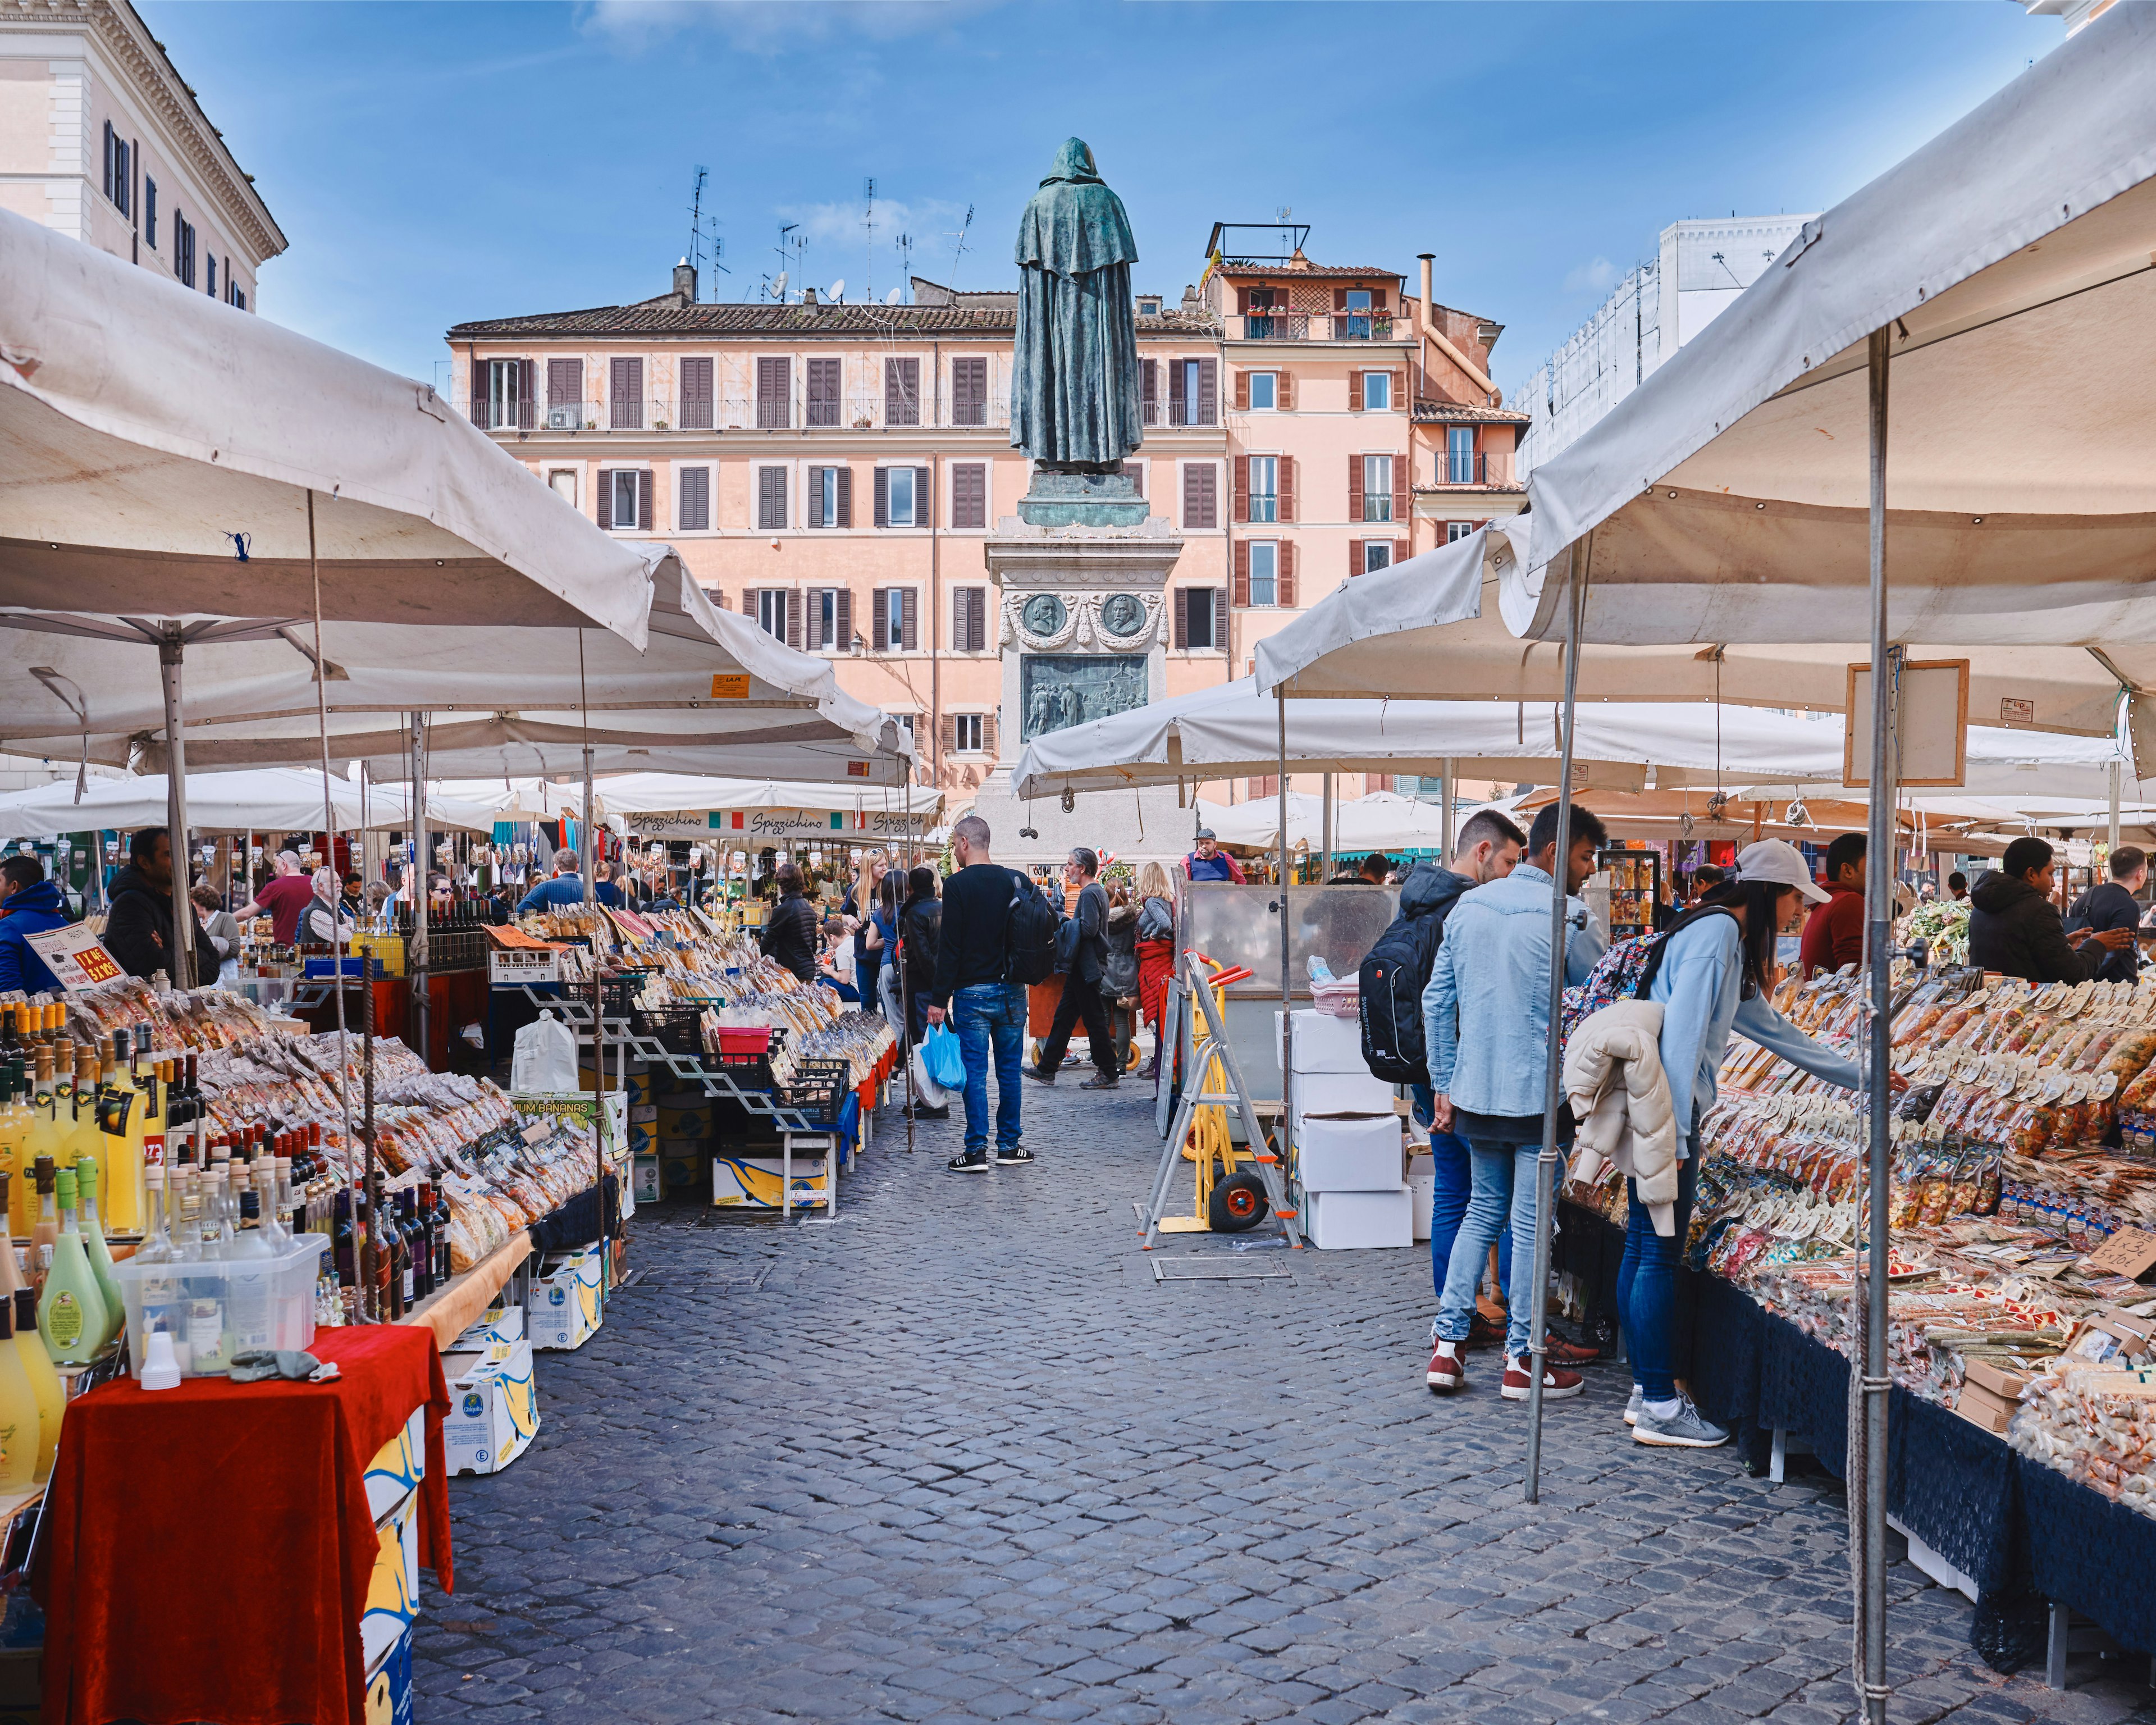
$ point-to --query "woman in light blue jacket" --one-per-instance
(1713, 973)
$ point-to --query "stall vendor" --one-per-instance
(1209, 862)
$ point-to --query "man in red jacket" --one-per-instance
(1834, 933)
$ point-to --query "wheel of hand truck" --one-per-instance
(1237, 1203)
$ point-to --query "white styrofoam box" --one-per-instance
(499, 1324)
(494, 1412)
(1323, 1044)
(1349, 1152)
(1347, 1221)
(1422, 1188)
(1342, 1093)
(645, 1185)
(564, 1310)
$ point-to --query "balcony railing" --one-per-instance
(749, 412)
(1181, 410)
(1493, 468)
(1302, 326)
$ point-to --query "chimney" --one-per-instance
(684, 283)
(807, 296)
(1426, 257)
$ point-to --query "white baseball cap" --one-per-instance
(1776, 862)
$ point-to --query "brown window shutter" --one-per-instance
(909, 620)
(1284, 390)
(794, 617)
(988, 734)
(1399, 551)
(1354, 487)
(1183, 620)
(1354, 557)
(527, 388)
(565, 386)
(1208, 391)
(1340, 299)
(951, 738)
(478, 391)
(1399, 392)
(1287, 583)
(924, 497)
(880, 619)
(645, 488)
(1243, 301)
(717, 596)
(1399, 466)
(1220, 621)
(1242, 392)
(1287, 488)
(605, 490)
(1377, 300)
(1149, 389)
(845, 643)
(845, 496)
(1354, 391)
(1242, 577)
(883, 500)
(1242, 488)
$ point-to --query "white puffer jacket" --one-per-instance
(1613, 1080)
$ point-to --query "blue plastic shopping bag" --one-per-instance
(947, 1061)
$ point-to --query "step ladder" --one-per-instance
(1213, 1043)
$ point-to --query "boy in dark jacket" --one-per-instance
(2110, 905)
(139, 932)
(29, 904)
(2014, 928)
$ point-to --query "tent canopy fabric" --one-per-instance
(1383, 820)
(141, 425)
(698, 795)
(269, 800)
(2010, 260)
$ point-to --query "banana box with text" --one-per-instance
(494, 1409)
(568, 1299)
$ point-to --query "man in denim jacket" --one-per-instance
(1488, 1068)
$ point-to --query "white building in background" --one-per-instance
(1698, 269)
(101, 138)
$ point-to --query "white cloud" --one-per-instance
(770, 26)
(1597, 276)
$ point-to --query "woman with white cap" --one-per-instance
(1712, 974)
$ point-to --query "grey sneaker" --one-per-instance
(1017, 1155)
(1632, 1408)
(1686, 1429)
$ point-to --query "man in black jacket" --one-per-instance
(789, 935)
(920, 933)
(139, 931)
(2016, 929)
(1081, 981)
(2113, 905)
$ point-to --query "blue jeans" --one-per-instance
(1647, 1283)
(1504, 1182)
(991, 1016)
(1455, 1168)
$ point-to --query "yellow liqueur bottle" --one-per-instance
(22, 1431)
(44, 1380)
(44, 1135)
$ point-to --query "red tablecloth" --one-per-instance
(208, 1549)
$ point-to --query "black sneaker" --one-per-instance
(1037, 1076)
(921, 1111)
(1017, 1155)
(1103, 1081)
(973, 1162)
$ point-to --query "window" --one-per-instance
(150, 212)
(232, 295)
(183, 250)
(901, 392)
(905, 723)
(1377, 392)
(968, 733)
(829, 615)
(969, 619)
(696, 397)
(771, 604)
(693, 506)
(901, 497)
(1194, 388)
(1149, 391)
(894, 619)
(969, 494)
(969, 391)
(209, 286)
(1265, 572)
(626, 379)
(1201, 495)
(1377, 488)
(824, 377)
(774, 394)
(1457, 530)
(770, 497)
(1459, 458)
(1377, 554)
(1355, 324)
(565, 395)
(1196, 629)
(1262, 314)
(561, 481)
(1265, 391)
(119, 168)
(830, 497)
(1149, 307)
(1265, 488)
(507, 409)
(626, 499)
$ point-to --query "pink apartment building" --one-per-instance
(834, 470)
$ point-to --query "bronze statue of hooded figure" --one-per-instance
(1074, 396)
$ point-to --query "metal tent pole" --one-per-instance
(172, 642)
(1287, 957)
(329, 825)
(1326, 874)
(1446, 790)
(1874, 1382)
(415, 883)
(1546, 1164)
(2111, 830)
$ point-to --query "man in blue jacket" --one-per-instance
(566, 888)
(29, 904)
(1488, 1068)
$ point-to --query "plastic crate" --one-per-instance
(675, 1027)
(750, 1066)
(818, 1090)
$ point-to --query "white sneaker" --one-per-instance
(1686, 1429)
(1632, 1408)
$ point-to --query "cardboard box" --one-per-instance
(494, 1409)
(1352, 1221)
(644, 1181)
(1979, 1407)
(392, 1590)
(497, 1323)
(1349, 1152)
(1342, 1093)
(566, 1306)
(397, 1466)
(2006, 1386)
(1322, 1044)
(1422, 1193)
(389, 1685)
(696, 1123)
(681, 1174)
(751, 1182)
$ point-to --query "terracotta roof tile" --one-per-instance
(664, 319)
(1428, 411)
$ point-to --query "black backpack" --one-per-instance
(1029, 933)
(1392, 979)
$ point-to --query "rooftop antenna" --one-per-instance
(1284, 215)
(868, 191)
(958, 251)
(696, 219)
(906, 259)
(786, 239)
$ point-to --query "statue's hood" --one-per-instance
(1074, 164)
(1075, 224)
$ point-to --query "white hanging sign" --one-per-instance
(76, 957)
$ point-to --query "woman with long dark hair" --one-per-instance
(1712, 974)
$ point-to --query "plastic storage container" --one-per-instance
(217, 1308)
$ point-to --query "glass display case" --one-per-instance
(1241, 925)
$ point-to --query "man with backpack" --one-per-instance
(997, 935)
(1081, 951)
(1488, 1029)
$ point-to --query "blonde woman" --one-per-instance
(1156, 947)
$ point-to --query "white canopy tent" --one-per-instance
(670, 806)
(1383, 820)
(270, 799)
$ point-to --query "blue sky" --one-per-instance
(439, 161)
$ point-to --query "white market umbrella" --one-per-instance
(1383, 820)
(267, 800)
(668, 805)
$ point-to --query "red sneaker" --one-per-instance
(1447, 1371)
(1557, 1384)
(1558, 1352)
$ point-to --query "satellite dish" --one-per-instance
(895, 296)
(837, 290)
(778, 284)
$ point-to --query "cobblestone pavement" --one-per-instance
(957, 1457)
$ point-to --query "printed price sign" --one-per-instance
(76, 957)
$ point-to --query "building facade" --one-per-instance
(836, 470)
(101, 138)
